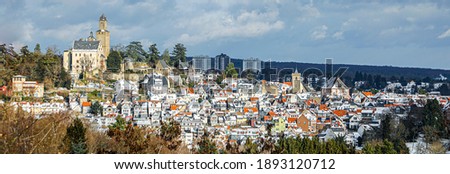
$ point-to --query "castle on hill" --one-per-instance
(89, 55)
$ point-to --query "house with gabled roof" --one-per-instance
(335, 87)
(162, 67)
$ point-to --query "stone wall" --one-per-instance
(127, 76)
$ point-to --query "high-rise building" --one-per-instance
(252, 64)
(221, 62)
(201, 62)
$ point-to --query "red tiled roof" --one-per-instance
(368, 94)
(252, 109)
(85, 104)
(272, 114)
(323, 107)
(173, 107)
(340, 113)
(292, 120)
(190, 90)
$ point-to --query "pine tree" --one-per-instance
(179, 54)
(386, 126)
(135, 51)
(434, 117)
(75, 138)
(65, 80)
(250, 147)
(37, 49)
(206, 145)
(154, 53)
(96, 108)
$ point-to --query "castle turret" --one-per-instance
(91, 37)
(103, 35)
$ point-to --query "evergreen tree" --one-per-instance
(386, 126)
(96, 108)
(379, 147)
(402, 81)
(370, 80)
(24, 51)
(230, 71)
(250, 147)
(219, 79)
(444, 89)
(75, 138)
(400, 146)
(154, 53)
(136, 51)
(377, 82)
(358, 76)
(37, 49)
(113, 62)
(393, 79)
(179, 54)
(434, 117)
(120, 124)
(48, 69)
(206, 145)
(64, 79)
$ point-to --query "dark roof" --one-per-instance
(164, 64)
(333, 80)
(330, 82)
(86, 45)
(183, 65)
(103, 17)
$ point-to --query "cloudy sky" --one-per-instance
(403, 33)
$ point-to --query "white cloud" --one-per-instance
(319, 32)
(349, 22)
(444, 34)
(70, 32)
(396, 31)
(308, 12)
(223, 24)
(338, 35)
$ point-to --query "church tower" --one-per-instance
(297, 82)
(103, 35)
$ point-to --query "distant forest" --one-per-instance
(417, 74)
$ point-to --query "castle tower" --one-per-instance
(91, 37)
(297, 82)
(103, 35)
